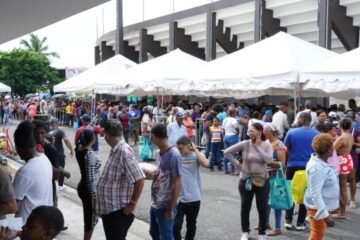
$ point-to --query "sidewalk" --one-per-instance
(70, 205)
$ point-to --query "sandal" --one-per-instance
(338, 216)
(352, 204)
(273, 232)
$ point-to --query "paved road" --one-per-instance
(219, 216)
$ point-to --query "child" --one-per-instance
(216, 132)
(44, 223)
(191, 193)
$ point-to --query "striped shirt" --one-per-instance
(116, 183)
(216, 133)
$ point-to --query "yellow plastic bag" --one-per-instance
(298, 186)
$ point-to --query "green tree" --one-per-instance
(27, 72)
(38, 45)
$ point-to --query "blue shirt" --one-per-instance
(323, 192)
(298, 141)
(175, 131)
(190, 180)
(169, 166)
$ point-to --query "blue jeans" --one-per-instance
(161, 228)
(228, 142)
(215, 155)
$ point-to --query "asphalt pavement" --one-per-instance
(219, 216)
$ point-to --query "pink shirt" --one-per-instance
(32, 110)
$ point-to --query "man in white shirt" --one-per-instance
(32, 183)
(158, 112)
(280, 120)
(308, 105)
(176, 129)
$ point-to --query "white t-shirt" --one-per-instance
(33, 186)
(280, 121)
(229, 125)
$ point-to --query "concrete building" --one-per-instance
(221, 27)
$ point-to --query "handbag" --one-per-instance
(145, 152)
(257, 179)
(280, 191)
(298, 186)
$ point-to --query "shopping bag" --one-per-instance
(298, 186)
(76, 125)
(145, 151)
(280, 191)
(203, 141)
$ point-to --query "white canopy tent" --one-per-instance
(338, 77)
(4, 88)
(270, 66)
(148, 77)
(84, 82)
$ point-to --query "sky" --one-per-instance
(74, 38)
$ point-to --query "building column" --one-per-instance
(210, 36)
(119, 37)
(97, 55)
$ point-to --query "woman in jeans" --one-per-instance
(256, 155)
(231, 128)
(322, 193)
(279, 156)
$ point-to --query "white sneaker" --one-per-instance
(61, 188)
(288, 226)
(358, 185)
(245, 236)
(262, 237)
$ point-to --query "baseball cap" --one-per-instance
(179, 115)
(86, 117)
(332, 114)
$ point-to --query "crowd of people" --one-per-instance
(253, 141)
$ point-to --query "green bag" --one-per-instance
(145, 151)
(280, 191)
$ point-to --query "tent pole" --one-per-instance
(295, 101)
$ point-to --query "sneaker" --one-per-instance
(61, 188)
(245, 236)
(288, 226)
(358, 185)
(300, 227)
(262, 237)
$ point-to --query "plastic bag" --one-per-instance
(145, 151)
(280, 191)
(203, 141)
(298, 186)
(76, 125)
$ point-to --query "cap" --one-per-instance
(332, 114)
(54, 120)
(268, 112)
(86, 117)
(179, 115)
